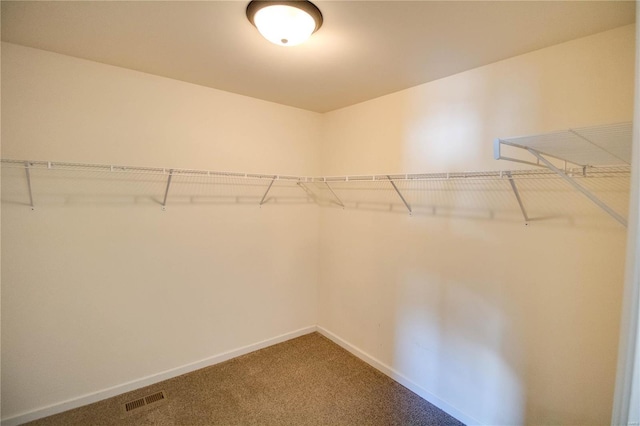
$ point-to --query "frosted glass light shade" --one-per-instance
(285, 23)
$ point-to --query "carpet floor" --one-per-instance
(305, 381)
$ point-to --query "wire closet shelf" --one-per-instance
(604, 147)
(584, 167)
(165, 171)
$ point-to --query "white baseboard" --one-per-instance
(400, 378)
(216, 359)
(150, 380)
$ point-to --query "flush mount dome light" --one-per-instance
(285, 23)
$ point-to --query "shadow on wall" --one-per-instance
(546, 198)
(454, 341)
(508, 324)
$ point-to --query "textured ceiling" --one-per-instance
(364, 49)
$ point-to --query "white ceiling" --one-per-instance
(364, 49)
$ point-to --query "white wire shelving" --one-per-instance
(476, 194)
(586, 147)
(158, 182)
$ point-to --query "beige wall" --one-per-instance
(500, 322)
(99, 293)
(504, 323)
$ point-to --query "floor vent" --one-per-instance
(154, 398)
(141, 402)
(134, 404)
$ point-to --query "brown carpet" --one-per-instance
(304, 381)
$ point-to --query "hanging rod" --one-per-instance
(540, 173)
(481, 175)
(109, 168)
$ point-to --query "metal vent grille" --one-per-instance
(154, 398)
(132, 405)
(145, 400)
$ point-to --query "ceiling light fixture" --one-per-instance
(286, 23)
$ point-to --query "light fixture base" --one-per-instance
(272, 18)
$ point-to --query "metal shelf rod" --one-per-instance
(471, 175)
(334, 194)
(166, 191)
(26, 169)
(307, 191)
(267, 191)
(517, 194)
(400, 194)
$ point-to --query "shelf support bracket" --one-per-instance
(399, 194)
(496, 149)
(580, 188)
(497, 153)
(334, 194)
(517, 194)
(28, 172)
(267, 191)
(166, 191)
(307, 191)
